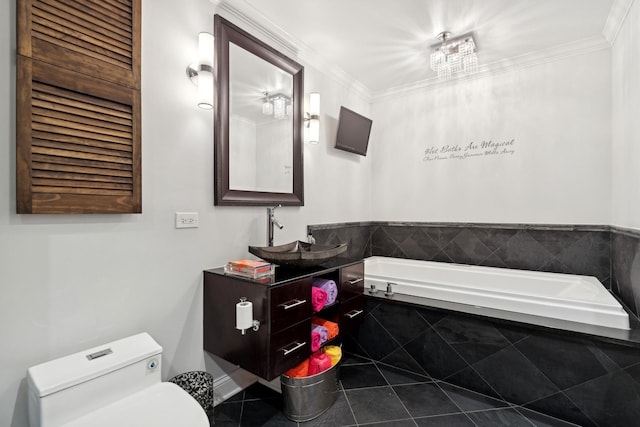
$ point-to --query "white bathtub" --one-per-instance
(581, 299)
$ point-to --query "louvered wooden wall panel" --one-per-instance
(77, 150)
(78, 127)
(78, 112)
(99, 38)
(87, 29)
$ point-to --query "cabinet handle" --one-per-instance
(296, 347)
(293, 303)
(355, 281)
(354, 313)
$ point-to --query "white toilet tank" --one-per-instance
(112, 383)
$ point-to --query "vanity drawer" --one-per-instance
(289, 347)
(352, 281)
(351, 313)
(290, 304)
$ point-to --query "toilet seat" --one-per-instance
(161, 405)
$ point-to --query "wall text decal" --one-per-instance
(471, 150)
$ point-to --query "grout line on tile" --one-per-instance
(426, 377)
(344, 392)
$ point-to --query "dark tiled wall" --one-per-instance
(358, 235)
(625, 267)
(561, 249)
(581, 379)
(609, 253)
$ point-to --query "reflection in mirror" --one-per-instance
(260, 124)
(258, 127)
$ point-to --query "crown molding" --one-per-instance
(531, 59)
(617, 15)
(253, 21)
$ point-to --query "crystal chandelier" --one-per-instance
(267, 106)
(277, 105)
(454, 56)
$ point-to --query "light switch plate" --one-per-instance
(187, 220)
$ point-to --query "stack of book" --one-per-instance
(249, 268)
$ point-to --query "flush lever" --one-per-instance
(98, 354)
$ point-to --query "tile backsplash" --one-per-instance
(611, 254)
(625, 267)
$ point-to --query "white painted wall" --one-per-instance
(626, 126)
(558, 113)
(71, 282)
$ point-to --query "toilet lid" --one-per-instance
(162, 405)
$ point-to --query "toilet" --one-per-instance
(116, 384)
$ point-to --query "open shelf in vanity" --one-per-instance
(283, 308)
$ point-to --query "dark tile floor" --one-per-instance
(375, 394)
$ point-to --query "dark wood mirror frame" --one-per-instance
(225, 32)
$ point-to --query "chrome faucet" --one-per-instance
(271, 221)
(389, 292)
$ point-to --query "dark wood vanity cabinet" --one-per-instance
(352, 296)
(283, 308)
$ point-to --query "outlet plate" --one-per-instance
(187, 220)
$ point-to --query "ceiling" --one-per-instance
(384, 46)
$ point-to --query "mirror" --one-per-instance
(258, 128)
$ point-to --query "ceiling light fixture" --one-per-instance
(277, 105)
(267, 106)
(454, 56)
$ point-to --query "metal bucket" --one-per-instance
(307, 398)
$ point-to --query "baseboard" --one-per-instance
(228, 385)
(273, 384)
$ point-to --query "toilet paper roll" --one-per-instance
(244, 315)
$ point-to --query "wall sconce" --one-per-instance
(312, 118)
(201, 73)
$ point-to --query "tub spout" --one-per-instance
(389, 292)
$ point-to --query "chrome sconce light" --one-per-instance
(312, 118)
(201, 73)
